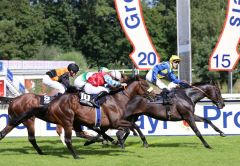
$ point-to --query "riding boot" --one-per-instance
(166, 99)
(95, 99)
(56, 95)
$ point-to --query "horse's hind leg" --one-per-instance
(31, 135)
(201, 119)
(192, 124)
(5, 131)
(68, 141)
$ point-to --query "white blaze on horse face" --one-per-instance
(130, 15)
(225, 55)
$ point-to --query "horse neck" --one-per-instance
(196, 93)
(131, 90)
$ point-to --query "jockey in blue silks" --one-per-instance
(165, 70)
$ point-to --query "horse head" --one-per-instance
(138, 86)
(211, 91)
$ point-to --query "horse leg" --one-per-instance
(31, 135)
(68, 141)
(143, 138)
(201, 119)
(60, 133)
(5, 131)
(120, 135)
(192, 124)
(105, 136)
(123, 133)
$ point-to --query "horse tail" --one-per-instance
(36, 111)
(5, 100)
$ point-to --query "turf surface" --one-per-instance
(163, 150)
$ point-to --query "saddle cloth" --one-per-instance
(45, 99)
(86, 98)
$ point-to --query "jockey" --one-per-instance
(81, 80)
(165, 70)
(59, 78)
(100, 82)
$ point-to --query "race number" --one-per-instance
(225, 55)
(144, 55)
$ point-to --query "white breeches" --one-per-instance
(159, 82)
(78, 82)
(90, 89)
(53, 84)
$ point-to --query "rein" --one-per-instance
(217, 102)
(201, 91)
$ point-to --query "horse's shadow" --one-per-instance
(169, 145)
(174, 145)
(59, 150)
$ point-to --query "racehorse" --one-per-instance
(69, 113)
(23, 103)
(183, 107)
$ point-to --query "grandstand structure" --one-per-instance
(15, 75)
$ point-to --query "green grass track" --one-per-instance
(162, 151)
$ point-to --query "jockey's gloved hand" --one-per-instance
(184, 85)
(123, 84)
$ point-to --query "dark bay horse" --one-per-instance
(67, 112)
(183, 107)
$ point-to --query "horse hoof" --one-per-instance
(41, 153)
(209, 147)
(88, 143)
(122, 147)
(145, 145)
(115, 142)
(222, 135)
(104, 142)
(76, 157)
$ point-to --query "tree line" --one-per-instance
(52, 29)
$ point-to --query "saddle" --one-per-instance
(86, 99)
(165, 98)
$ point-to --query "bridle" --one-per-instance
(215, 102)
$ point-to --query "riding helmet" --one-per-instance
(104, 69)
(73, 67)
(174, 58)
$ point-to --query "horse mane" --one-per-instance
(203, 83)
(72, 89)
(131, 79)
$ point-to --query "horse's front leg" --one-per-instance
(192, 124)
(201, 119)
(143, 138)
(31, 135)
(68, 140)
(123, 131)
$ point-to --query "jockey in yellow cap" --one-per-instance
(165, 70)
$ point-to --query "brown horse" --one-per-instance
(66, 111)
(183, 107)
(22, 104)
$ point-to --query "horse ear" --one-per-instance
(212, 82)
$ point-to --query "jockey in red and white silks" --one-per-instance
(101, 81)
